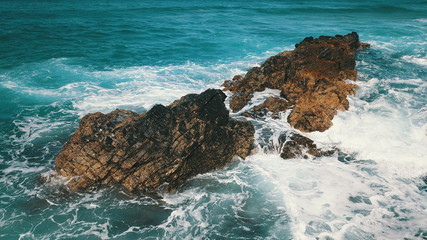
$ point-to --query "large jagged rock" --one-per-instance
(161, 148)
(312, 78)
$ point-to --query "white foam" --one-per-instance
(361, 200)
(389, 130)
(375, 44)
(23, 169)
(137, 87)
(53, 179)
(131, 87)
(29, 90)
(326, 198)
(419, 60)
(33, 128)
(421, 20)
(196, 209)
(100, 230)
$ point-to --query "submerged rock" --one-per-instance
(161, 148)
(312, 78)
(272, 104)
(294, 145)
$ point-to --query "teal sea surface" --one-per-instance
(60, 60)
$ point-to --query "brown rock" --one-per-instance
(294, 145)
(274, 105)
(315, 110)
(364, 45)
(311, 77)
(271, 104)
(164, 147)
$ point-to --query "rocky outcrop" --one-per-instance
(161, 148)
(294, 145)
(312, 78)
(164, 147)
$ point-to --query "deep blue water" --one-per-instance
(62, 59)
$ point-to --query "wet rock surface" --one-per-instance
(274, 105)
(159, 149)
(312, 78)
(294, 145)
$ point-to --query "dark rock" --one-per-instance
(162, 148)
(294, 145)
(311, 77)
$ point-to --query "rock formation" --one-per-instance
(168, 145)
(161, 148)
(312, 78)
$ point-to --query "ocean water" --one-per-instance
(60, 60)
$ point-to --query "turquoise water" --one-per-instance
(62, 59)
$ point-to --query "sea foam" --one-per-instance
(422, 61)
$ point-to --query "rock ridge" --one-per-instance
(158, 149)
